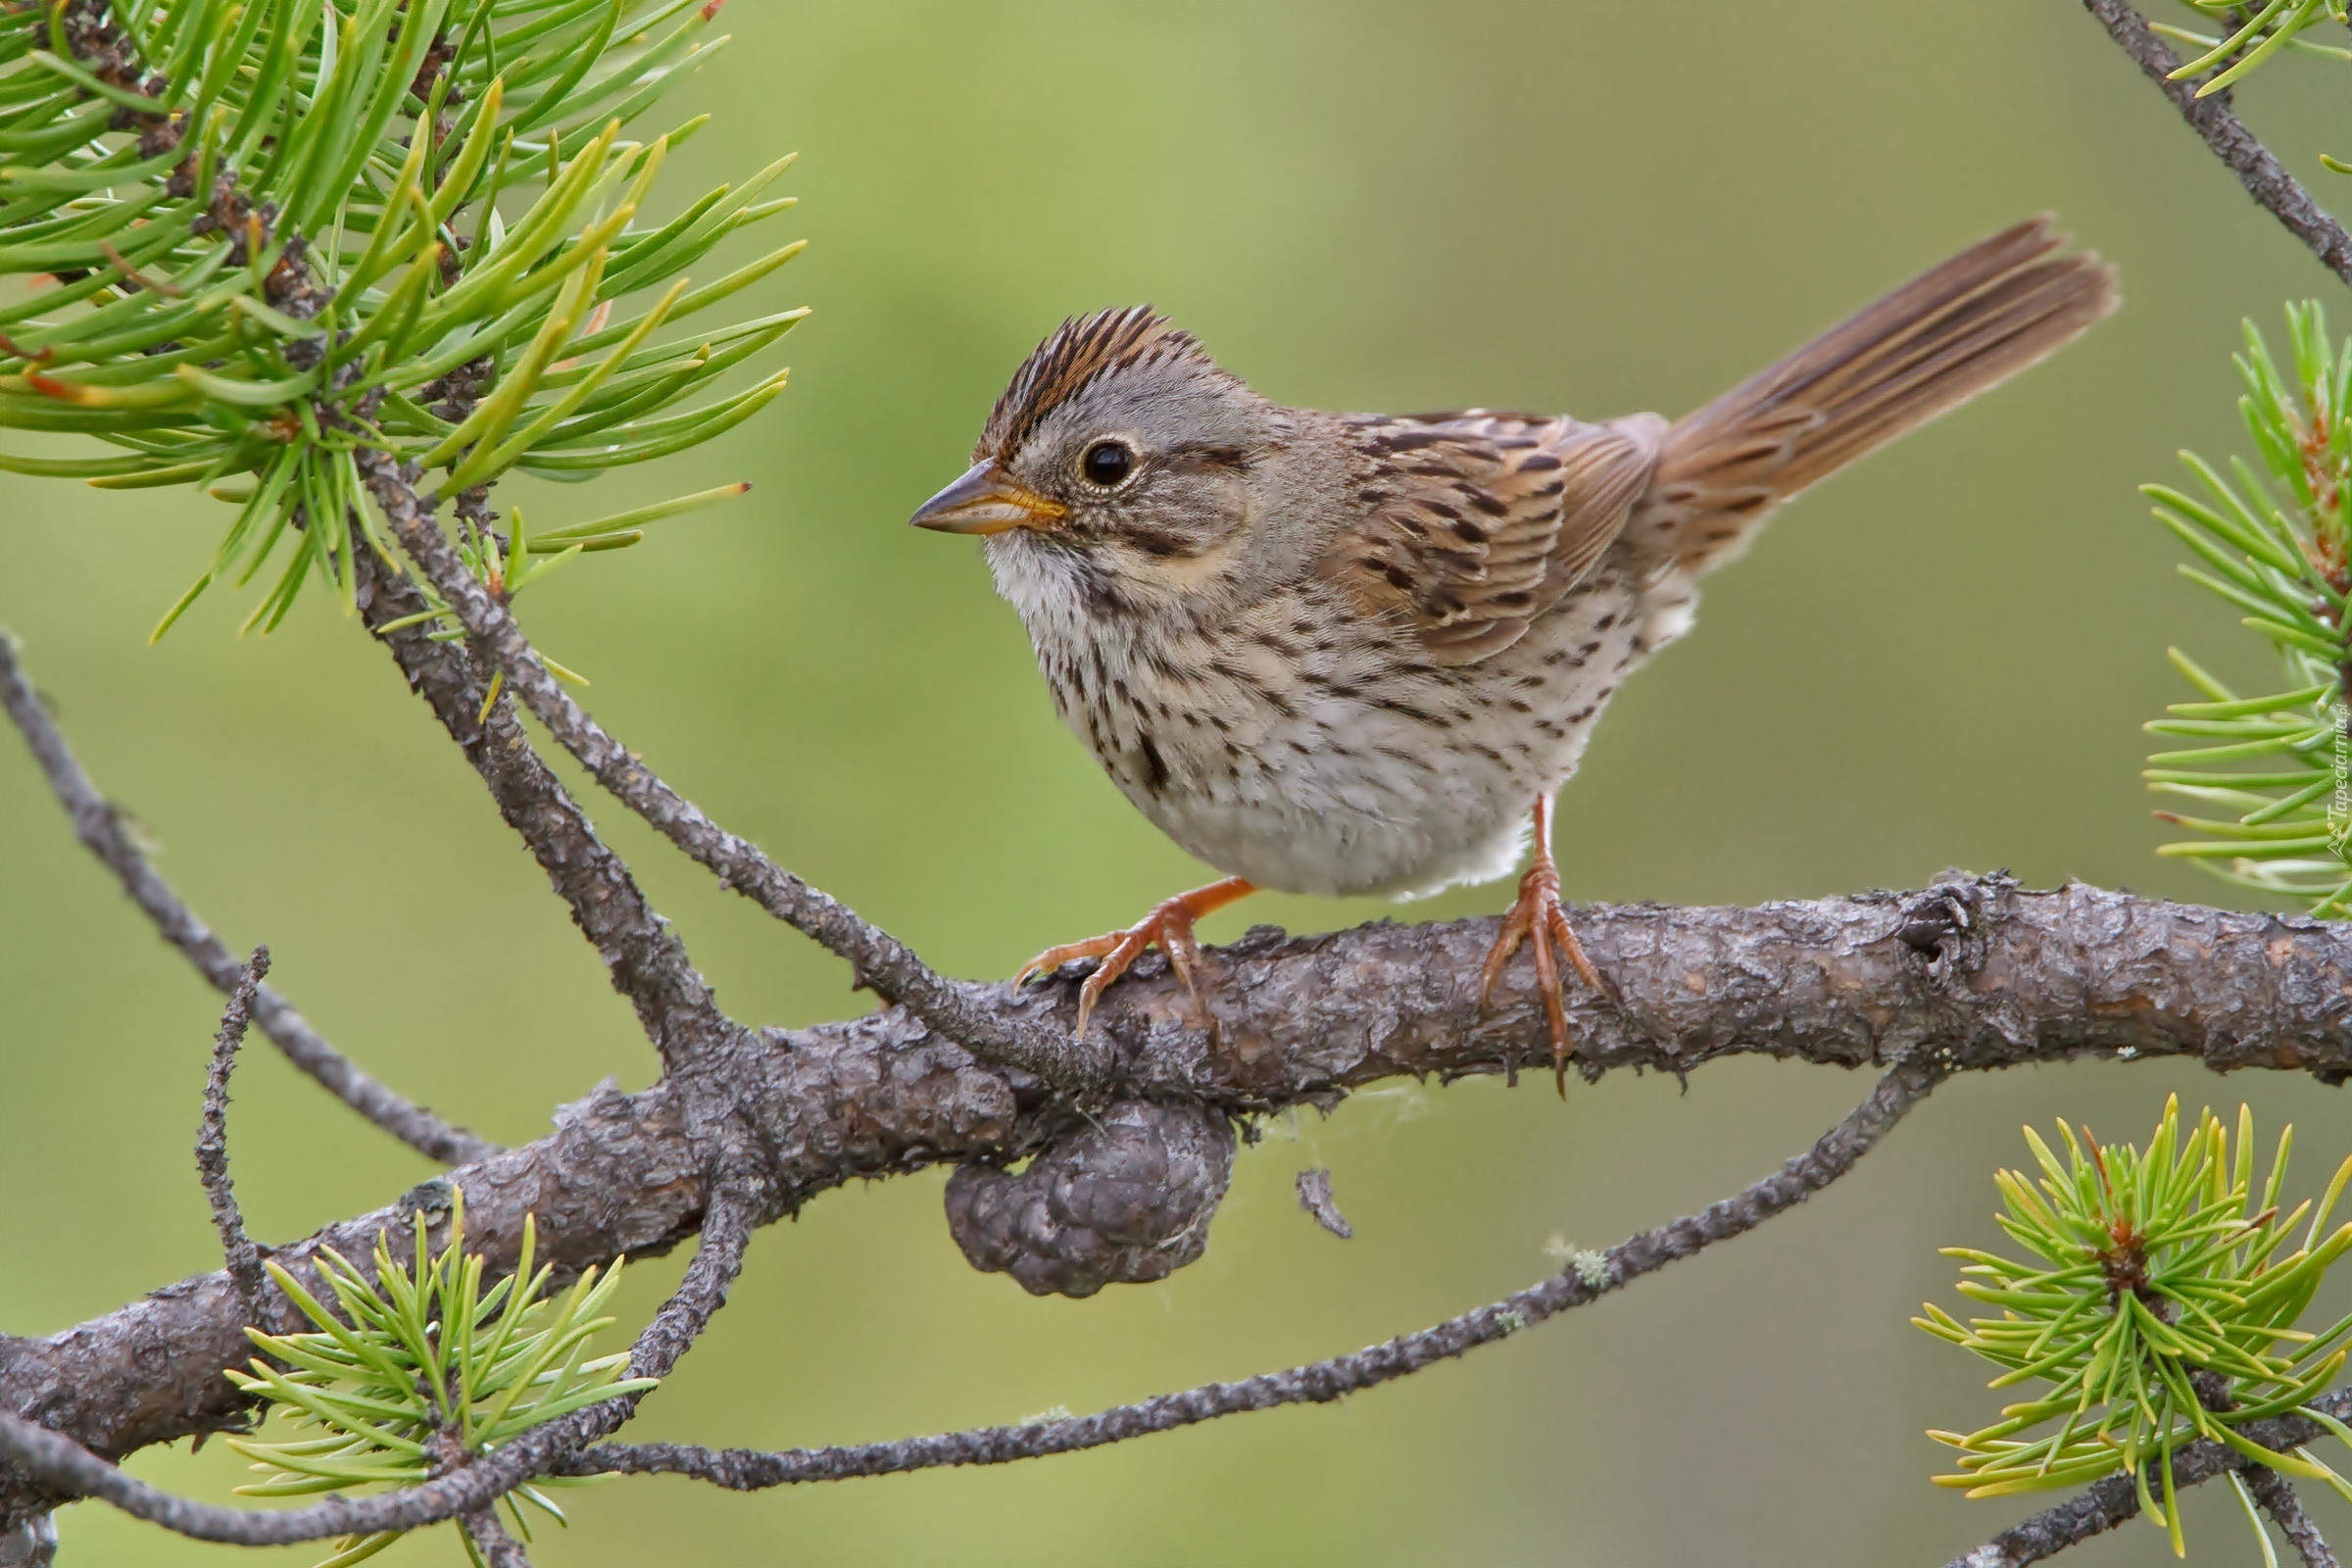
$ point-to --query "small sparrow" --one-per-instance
(1351, 653)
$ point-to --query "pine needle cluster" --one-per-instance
(2160, 1307)
(2271, 775)
(281, 250)
(417, 1366)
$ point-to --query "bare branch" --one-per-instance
(647, 962)
(2265, 179)
(99, 824)
(2094, 1511)
(2105, 1504)
(2264, 1486)
(2277, 1495)
(497, 1548)
(717, 1260)
(59, 1463)
(643, 956)
(1875, 980)
(1586, 1279)
(212, 1145)
(879, 960)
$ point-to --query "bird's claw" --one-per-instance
(1537, 919)
(1169, 927)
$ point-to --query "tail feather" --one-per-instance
(1929, 346)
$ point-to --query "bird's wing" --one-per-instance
(1475, 523)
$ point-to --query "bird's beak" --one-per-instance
(987, 499)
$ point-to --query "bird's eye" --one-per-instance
(1106, 463)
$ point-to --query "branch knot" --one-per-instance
(1126, 1201)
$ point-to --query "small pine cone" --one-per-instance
(1123, 1202)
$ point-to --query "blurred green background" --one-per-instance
(1942, 658)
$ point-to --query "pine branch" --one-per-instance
(57, 1461)
(212, 1146)
(644, 957)
(255, 269)
(2257, 168)
(879, 960)
(1882, 979)
(1585, 1279)
(51, 1458)
(2106, 1504)
(491, 1543)
(642, 953)
(2277, 1498)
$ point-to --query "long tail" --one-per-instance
(1932, 344)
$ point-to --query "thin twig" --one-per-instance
(1586, 1279)
(2070, 975)
(642, 953)
(212, 1145)
(879, 960)
(2094, 1511)
(289, 287)
(644, 957)
(490, 1538)
(2264, 177)
(2266, 1487)
(2105, 1504)
(99, 824)
(2277, 1495)
(59, 1463)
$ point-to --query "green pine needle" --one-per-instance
(2161, 1278)
(2284, 561)
(250, 237)
(418, 1365)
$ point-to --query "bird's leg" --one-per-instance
(1535, 919)
(1170, 925)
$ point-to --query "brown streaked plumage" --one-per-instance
(1344, 653)
(1079, 351)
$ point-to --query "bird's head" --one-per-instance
(1119, 456)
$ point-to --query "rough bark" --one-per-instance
(880, 960)
(644, 958)
(1968, 976)
(1588, 1277)
(2105, 1504)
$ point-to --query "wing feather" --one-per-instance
(1478, 522)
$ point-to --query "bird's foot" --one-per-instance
(1169, 925)
(1536, 918)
